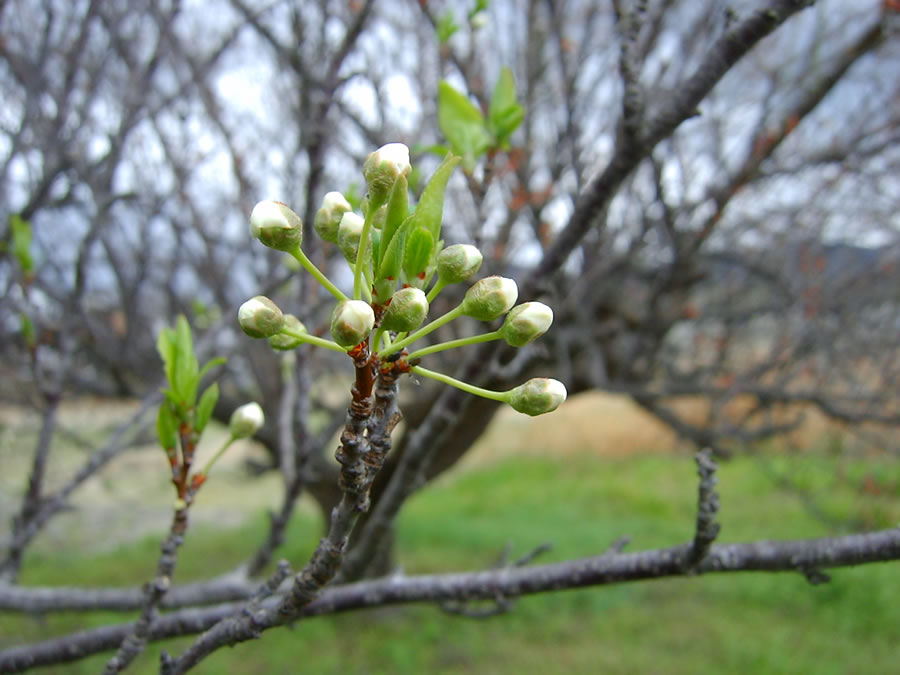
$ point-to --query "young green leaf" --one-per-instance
(212, 363)
(205, 407)
(417, 256)
(504, 114)
(28, 333)
(445, 27)
(462, 124)
(430, 208)
(21, 237)
(392, 259)
(165, 345)
(397, 212)
(166, 426)
(186, 369)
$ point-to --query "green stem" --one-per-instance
(422, 332)
(209, 464)
(361, 252)
(437, 288)
(452, 344)
(301, 258)
(459, 384)
(376, 339)
(314, 340)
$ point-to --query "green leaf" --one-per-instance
(397, 212)
(353, 196)
(205, 407)
(462, 124)
(165, 345)
(505, 114)
(167, 426)
(186, 370)
(212, 363)
(28, 333)
(417, 254)
(21, 236)
(430, 209)
(480, 6)
(439, 150)
(445, 27)
(392, 262)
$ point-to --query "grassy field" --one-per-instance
(580, 502)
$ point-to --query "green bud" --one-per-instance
(276, 226)
(526, 323)
(457, 263)
(328, 217)
(283, 342)
(490, 298)
(246, 420)
(349, 234)
(382, 168)
(407, 310)
(259, 317)
(351, 322)
(537, 396)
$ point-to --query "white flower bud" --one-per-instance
(479, 20)
(406, 311)
(283, 342)
(537, 396)
(457, 263)
(259, 317)
(276, 226)
(349, 234)
(490, 298)
(526, 323)
(246, 420)
(382, 168)
(351, 322)
(328, 217)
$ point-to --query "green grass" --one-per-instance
(727, 623)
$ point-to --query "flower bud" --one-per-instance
(490, 298)
(351, 322)
(282, 341)
(259, 317)
(246, 420)
(537, 396)
(407, 310)
(276, 226)
(382, 168)
(526, 323)
(349, 234)
(328, 217)
(457, 263)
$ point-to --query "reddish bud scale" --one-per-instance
(197, 480)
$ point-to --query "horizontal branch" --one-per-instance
(44, 599)
(802, 555)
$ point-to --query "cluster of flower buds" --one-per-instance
(399, 265)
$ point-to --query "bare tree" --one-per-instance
(700, 190)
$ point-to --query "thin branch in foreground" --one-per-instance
(134, 643)
(758, 556)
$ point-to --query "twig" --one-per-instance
(134, 643)
(354, 481)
